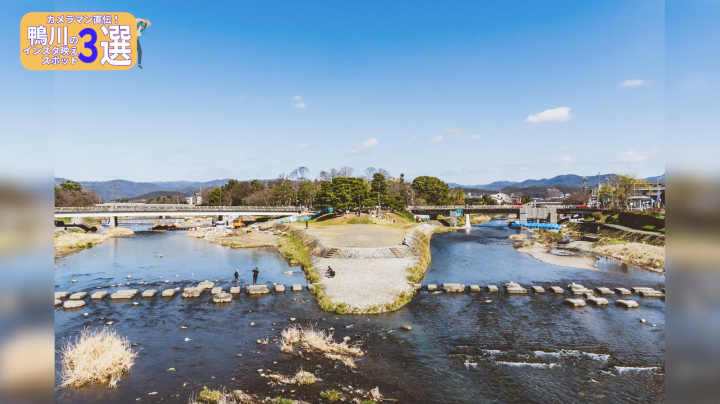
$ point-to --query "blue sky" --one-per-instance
(471, 92)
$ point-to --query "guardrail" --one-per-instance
(490, 207)
(189, 208)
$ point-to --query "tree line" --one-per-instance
(71, 193)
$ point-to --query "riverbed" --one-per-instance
(515, 349)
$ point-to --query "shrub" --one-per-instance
(98, 355)
(332, 395)
(282, 400)
(304, 378)
(210, 396)
(597, 215)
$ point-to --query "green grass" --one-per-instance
(83, 246)
(282, 400)
(369, 402)
(210, 396)
(332, 395)
(417, 272)
(361, 220)
(293, 249)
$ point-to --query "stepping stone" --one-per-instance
(279, 288)
(622, 291)
(578, 292)
(61, 295)
(643, 293)
(205, 285)
(598, 301)
(588, 294)
(637, 289)
(516, 291)
(192, 292)
(431, 288)
(216, 290)
(124, 294)
(78, 296)
(575, 302)
(604, 291)
(628, 304)
(453, 287)
(297, 288)
(257, 289)
(222, 297)
(72, 304)
(58, 302)
(235, 290)
(169, 292)
(557, 289)
(492, 288)
(474, 288)
(538, 289)
(574, 286)
(512, 285)
(149, 293)
(99, 295)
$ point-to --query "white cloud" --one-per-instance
(633, 156)
(368, 144)
(633, 83)
(436, 138)
(475, 137)
(564, 160)
(372, 142)
(298, 102)
(454, 133)
(302, 146)
(561, 114)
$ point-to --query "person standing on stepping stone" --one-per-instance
(255, 275)
(237, 275)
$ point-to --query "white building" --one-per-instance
(501, 198)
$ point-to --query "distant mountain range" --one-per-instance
(131, 189)
(568, 179)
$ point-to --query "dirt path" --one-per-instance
(360, 235)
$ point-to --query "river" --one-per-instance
(516, 349)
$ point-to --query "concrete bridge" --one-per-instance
(545, 213)
(132, 210)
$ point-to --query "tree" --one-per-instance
(306, 192)
(256, 186)
(526, 198)
(487, 200)
(70, 193)
(342, 193)
(578, 198)
(432, 189)
(625, 186)
(71, 186)
(457, 196)
(215, 197)
(378, 189)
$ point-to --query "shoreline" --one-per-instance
(540, 253)
(71, 242)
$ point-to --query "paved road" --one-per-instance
(617, 226)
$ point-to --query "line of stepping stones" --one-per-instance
(75, 300)
(574, 288)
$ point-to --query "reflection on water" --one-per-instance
(516, 349)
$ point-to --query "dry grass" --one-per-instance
(642, 255)
(118, 232)
(346, 360)
(99, 355)
(518, 237)
(314, 340)
(301, 378)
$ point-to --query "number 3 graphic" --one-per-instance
(89, 45)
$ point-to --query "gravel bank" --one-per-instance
(364, 283)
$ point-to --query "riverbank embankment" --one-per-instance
(72, 240)
(635, 248)
(368, 279)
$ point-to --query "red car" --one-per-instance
(518, 204)
(583, 207)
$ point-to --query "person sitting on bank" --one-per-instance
(330, 273)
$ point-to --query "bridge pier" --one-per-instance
(467, 221)
(113, 221)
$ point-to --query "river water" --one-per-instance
(516, 349)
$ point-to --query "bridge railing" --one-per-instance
(490, 207)
(189, 208)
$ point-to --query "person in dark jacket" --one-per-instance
(237, 276)
(255, 275)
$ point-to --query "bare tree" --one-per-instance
(384, 172)
(303, 173)
(369, 172)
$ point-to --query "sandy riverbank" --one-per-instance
(540, 252)
(239, 238)
(71, 241)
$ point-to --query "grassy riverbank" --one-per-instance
(73, 240)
